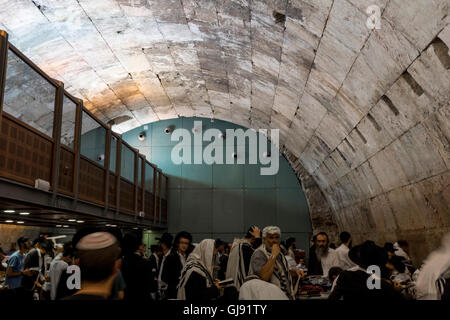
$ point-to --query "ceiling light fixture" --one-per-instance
(9, 221)
(72, 220)
(80, 221)
(20, 222)
(9, 211)
(24, 213)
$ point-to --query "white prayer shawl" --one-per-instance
(257, 289)
(200, 261)
(236, 264)
(281, 277)
(436, 265)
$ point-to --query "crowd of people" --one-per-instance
(258, 266)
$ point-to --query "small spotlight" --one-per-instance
(20, 222)
(169, 129)
(72, 220)
(80, 221)
(65, 226)
(24, 213)
(9, 211)
(9, 221)
(141, 136)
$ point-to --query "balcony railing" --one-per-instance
(47, 134)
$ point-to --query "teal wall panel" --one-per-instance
(223, 200)
(228, 209)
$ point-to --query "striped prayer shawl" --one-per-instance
(281, 276)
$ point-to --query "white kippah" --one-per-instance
(96, 240)
(271, 230)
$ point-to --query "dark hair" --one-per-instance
(402, 243)
(130, 243)
(40, 241)
(321, 234)
(166, 239)
(21, 241)
(344, 236)
(334, 271)
(398, 264)
(289, 242)
(218, 243)
(248, 235)
(155, 248)
(182, 234)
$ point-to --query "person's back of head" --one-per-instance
(97, 254)
(344, 237)
(333, 273)
(154, 248)
(290, 242)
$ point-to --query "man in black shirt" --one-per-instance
(353, 284)
(154, 262)
(175, 262)
(136, 271)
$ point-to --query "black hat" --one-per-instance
(367, 254)
(389, 247)
(166, 238)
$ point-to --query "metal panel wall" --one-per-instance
(223, 200)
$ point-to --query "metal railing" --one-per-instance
(28, 155)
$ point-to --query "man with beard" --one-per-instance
(344, 261)
(270, 265)
(321, 258)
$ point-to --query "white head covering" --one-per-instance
(96, 240)
(257, 289)
(199, 261)
(437, 263)
(203, 253)
(271, 230)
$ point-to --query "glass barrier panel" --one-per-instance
(127, 163)
(148, 177)
(140, 163)
(163, 187)
(69, 113)
(113, 154)
(93, 137)
(29, 96)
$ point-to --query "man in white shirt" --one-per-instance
(344, 261)
(322, 257)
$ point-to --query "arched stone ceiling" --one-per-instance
(365, 112)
